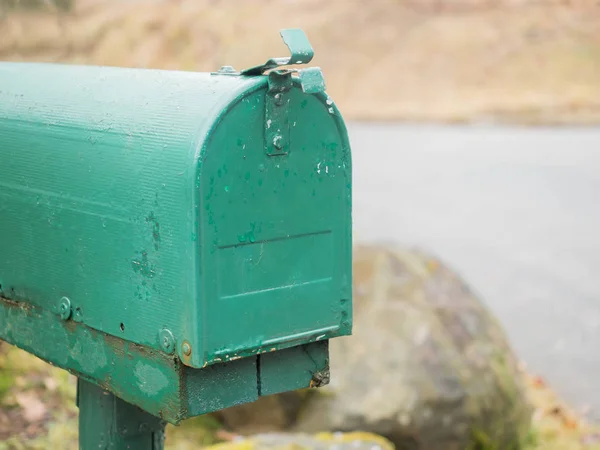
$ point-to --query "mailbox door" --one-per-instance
(275, 229)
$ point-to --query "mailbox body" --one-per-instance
(146, 201)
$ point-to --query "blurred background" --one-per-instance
(473, 130)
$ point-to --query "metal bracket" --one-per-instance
(300, 49)
(311, 79)
(277, 105)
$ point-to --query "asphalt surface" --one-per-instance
(516, 211)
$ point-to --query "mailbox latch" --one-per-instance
(277, 102)
(277, 106)
(301, 52)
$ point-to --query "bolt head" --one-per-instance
(64, 308)
(278, 142)
(279, 99)
(187, 349)
(166, 340)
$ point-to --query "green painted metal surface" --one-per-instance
(151, 242)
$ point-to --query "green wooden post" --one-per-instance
(107, 422)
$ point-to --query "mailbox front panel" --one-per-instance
(275, 229)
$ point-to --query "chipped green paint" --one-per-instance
(151, 380)
(142, 266)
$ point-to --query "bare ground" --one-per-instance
(408, 60)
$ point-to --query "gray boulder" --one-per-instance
(427, 366)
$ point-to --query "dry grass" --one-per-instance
(533, 61)
(555, 425)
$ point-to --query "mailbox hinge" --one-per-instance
(277, 106)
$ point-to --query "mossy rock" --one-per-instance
(322, 441)
(427, 366)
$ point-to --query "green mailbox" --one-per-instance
(181, 240)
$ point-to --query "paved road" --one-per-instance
(516, 212)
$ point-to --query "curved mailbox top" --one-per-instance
(202, 215)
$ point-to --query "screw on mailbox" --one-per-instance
(277, 141)
(65, 308)
(192, 279)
